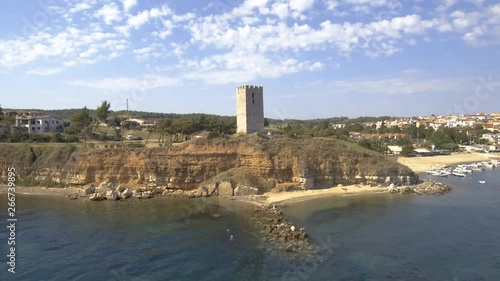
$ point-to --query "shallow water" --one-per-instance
(376, 237)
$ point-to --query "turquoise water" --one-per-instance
(378, 237)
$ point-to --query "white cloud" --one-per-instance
(124, 84)
(138, 20)
(143, 17)
(301, 5)
(80, 7)
(239, 67)
(128, 4)
(70, 46)
(44, 71)
(399, 86)
(109, 13)
(255, 39)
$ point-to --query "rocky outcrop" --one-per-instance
(245, 190)
(307, 163)
(97, 197)
(89, 189)
(112, 195)
(431, 188)
(127, 193)
(284, 234)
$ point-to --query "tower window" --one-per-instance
(253, 101)
(253, 95)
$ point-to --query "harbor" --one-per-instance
(460, 170)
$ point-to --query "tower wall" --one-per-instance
(250, 109)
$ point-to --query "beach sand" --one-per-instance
(422, 164)
(298, 196)
(38, 190)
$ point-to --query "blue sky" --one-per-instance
(315, 58)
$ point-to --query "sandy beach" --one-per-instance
(422, 164)
(298, 196)
(40, 190)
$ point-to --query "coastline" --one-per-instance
(268, 198)
(422, 164)
(40, 190)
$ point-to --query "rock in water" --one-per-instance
(112, 195)
(120, 188)
(127, 193)
(73, 196)
(89, 189)
(97, 197)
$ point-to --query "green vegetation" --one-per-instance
(407, 150)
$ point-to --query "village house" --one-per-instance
(394, 149)
(39, 124)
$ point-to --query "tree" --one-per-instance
(164, 128)
(407, 150)
(441, 137)
(102, 113)
(80, 121)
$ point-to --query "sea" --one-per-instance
(451, 237)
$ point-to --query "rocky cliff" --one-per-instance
(306, 162)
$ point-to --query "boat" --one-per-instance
(488, 164)
(457, 174)
(482, 182)
(462, 170)
(440, 173)
(478, 169)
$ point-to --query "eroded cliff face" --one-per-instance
(308, 162)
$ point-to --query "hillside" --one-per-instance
(263, 162)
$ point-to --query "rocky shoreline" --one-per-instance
(423, 188)
(282, 233)
(277, 231)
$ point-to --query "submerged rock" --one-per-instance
(433, 188)
(73, 196)
(284, 234)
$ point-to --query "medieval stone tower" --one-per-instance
(250, 109)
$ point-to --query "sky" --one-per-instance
(314, 58)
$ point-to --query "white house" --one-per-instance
(40, 124)
(394, 149)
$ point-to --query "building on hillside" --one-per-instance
(250, 109)
(395, 149)
(40, 124)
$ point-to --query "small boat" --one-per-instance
(482, 182)
(440, 174)
(488, 164)
(458, 174)
(462, 170)
(478, 169)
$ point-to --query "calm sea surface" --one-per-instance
(380, 237)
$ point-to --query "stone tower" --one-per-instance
(250, 109)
